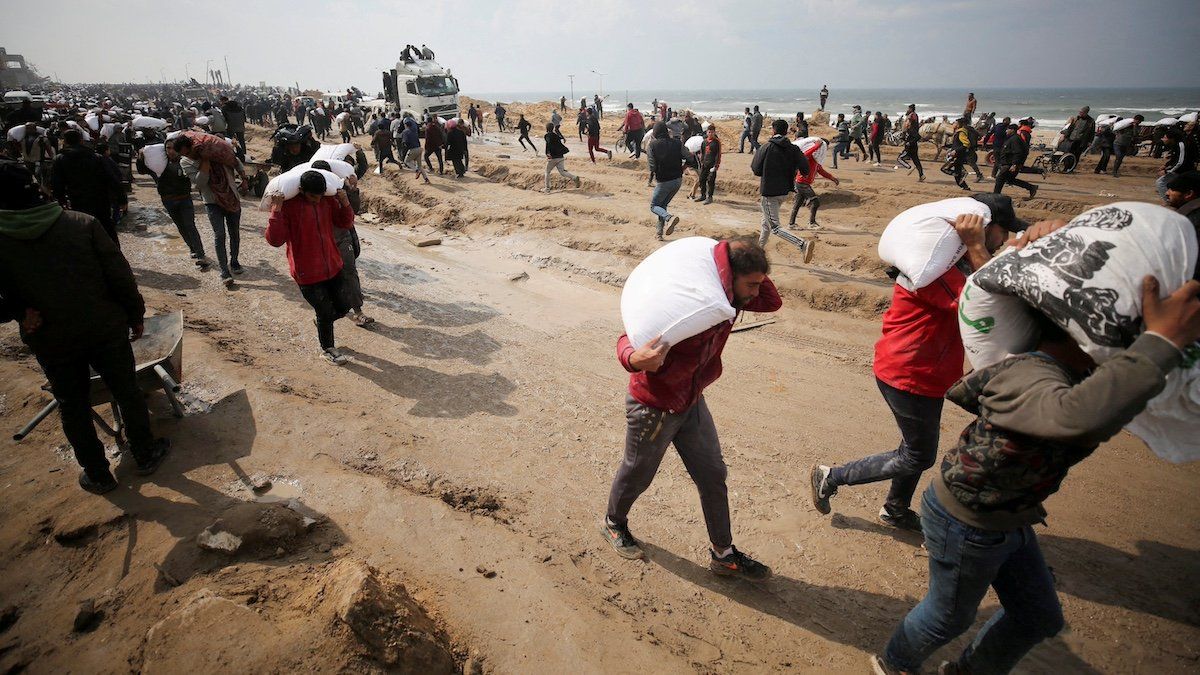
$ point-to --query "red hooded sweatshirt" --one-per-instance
(694, 363)
(307, 229)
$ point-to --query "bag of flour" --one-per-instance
(288, 185)
(146, 122)
(675, 292)
(336, 166)
(921, 242)
(155, 157)
(340, 151)
(17, 133)
(694, 144)
(1087, 278)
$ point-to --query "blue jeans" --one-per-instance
(664, 192)
(919, 419)
(963, 562)
(223, 221)
(742, 141)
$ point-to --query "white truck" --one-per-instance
(420, 87)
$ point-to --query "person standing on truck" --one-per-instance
(593, 136)
(665, 405)
(523, 127)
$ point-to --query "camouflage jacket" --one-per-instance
(1035, 420)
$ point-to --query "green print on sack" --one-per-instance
(984, 324)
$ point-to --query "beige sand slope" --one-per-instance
(466, 454)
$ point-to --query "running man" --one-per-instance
(593, 136)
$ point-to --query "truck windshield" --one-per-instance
(438, 85)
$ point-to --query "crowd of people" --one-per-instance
(64, 280)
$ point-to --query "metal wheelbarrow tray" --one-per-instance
(158, 356)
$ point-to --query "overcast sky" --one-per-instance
(532, 45)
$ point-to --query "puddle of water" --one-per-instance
(281, 490)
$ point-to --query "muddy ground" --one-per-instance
(433, 505)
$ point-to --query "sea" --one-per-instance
(1047, 106)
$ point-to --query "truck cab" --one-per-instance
(422, 87)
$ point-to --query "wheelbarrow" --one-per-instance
(158, 356)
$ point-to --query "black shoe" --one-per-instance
(621, 540)
(738, 564)
(236, 268)
(708, 201)
(905, 520)
(99, 485)
(821, 490)
(1033, 191)
(149, 464)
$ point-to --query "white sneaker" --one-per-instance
(333, 356)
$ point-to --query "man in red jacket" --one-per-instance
(305, 223)
(918, 357)
(665, 405)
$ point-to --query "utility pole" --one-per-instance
(208, 69)
(572, 86)
(228, 78)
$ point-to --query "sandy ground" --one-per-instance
(459, 465)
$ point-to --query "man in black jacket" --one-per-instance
(77, 303)
(1009, 162)
(756, 122)
(666, 157)
(556, 151)
(235, 119)
(81, 182)
(776, 163)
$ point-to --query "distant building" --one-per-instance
(14, 73)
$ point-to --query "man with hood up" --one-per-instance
(63, 279)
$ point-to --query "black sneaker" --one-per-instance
(98, 485)
(738, 564)
(905, 520)
(621, 540)
(149, 464)
(1033, 191)
(236, 268)
(821, 491)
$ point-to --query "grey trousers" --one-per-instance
(648, 432)
(559, 163)
(770, 223)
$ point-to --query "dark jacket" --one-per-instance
(593, 126)
(433, 136)
(81, 179)
(776, 164)
(174, 183)
(555, 146)
(68, 269)
(1014, 152)
(666, 158)
(235, 117)
(756, 122)
(1035, 421)
(456, 144)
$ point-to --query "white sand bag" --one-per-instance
(808, 143)
(17, 133)
(994, 325)
(1188, 118)
(1166, 122)
(93, 122)
(675, 292)
(288, 185)
(694, 144)
(155, 157)
(202, 120)
(921, 241)
(336, 166)
(341, 116)
(109, 129)
(146, 122)
(1123, 124)
(1087, 278)
(340, 151)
